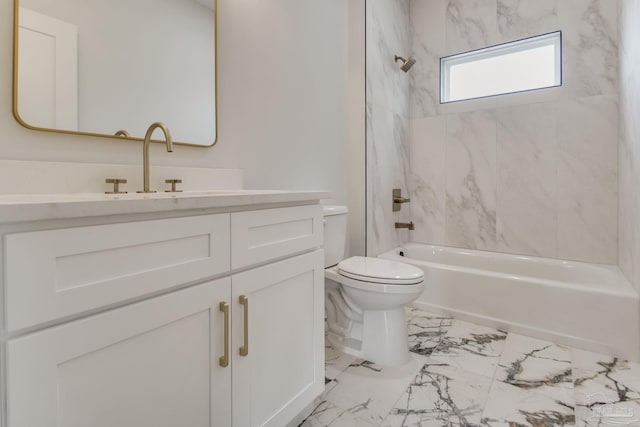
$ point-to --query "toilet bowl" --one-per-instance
(365, 299)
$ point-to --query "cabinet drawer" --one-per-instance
(260, 236)
(56, 273)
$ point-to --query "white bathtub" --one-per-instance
(588, 306)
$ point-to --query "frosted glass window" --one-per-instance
(533, 63)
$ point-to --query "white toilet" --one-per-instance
(365, 298)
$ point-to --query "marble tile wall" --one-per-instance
(471, 174)
(388, 91)
(531, 173)
(629, 154)
(526, 182)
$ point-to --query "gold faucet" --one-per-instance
(145, 151)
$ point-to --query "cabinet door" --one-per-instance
(150, 364)
(283, 369)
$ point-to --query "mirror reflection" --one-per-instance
(100, 67)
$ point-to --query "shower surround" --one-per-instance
(388, 101)
(532, 173)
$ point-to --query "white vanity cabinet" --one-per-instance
(52, 274)
(285, 310)
(218, 341)
(154, 363)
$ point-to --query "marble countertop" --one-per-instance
(35, 207)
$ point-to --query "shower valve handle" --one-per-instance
(398, 200)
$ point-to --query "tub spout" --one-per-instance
(408, 225)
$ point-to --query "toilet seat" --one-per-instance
(380, 271)
(332, 273)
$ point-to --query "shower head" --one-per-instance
(406, 63)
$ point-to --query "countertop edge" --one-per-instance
(18, 212)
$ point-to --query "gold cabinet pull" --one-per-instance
(224, 360)
(244, 350)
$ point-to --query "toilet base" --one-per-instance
(367, 320)
(385, 337)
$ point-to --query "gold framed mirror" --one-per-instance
(111, 68)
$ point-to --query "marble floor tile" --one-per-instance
(441, 395)
(426, 331)
(462, 374)
(335, 361)
(533, 364)
(616, 379)
(371, 388)
(613, 366)
(327, 414)
(607, 390)
(474, 348)
(608, 414)
(329, 384)
(509, 405)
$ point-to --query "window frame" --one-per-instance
(553, 38)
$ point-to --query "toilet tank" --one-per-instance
(335, 234)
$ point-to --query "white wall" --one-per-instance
(357, 128)
(285, 62)
(629, 194)
(282, 101)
